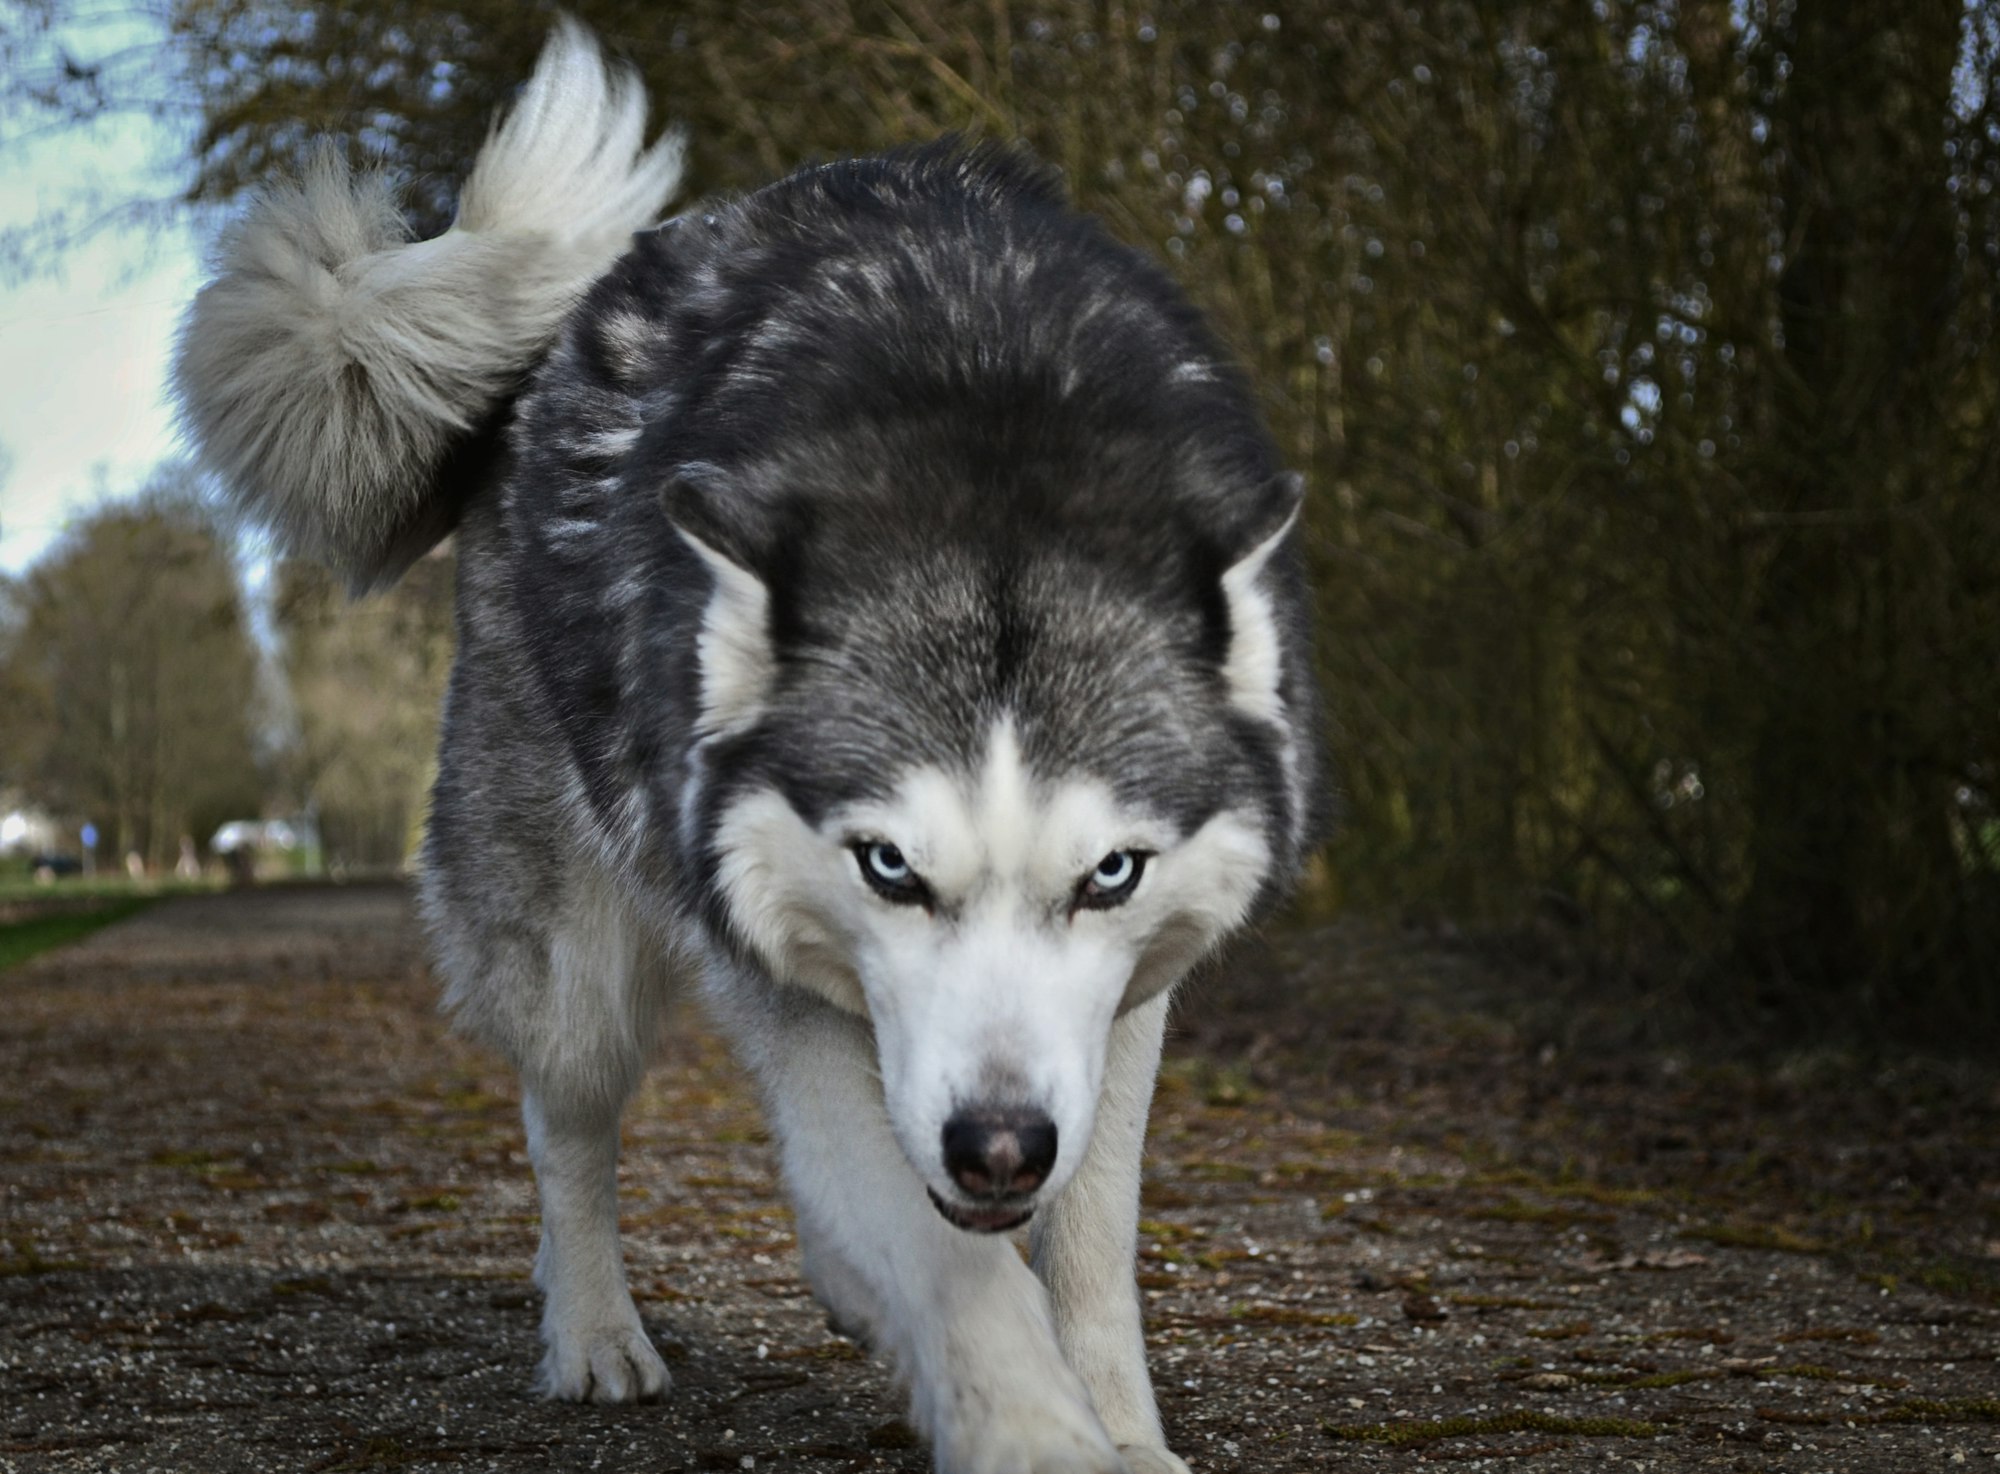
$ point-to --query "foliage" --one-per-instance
(1641, 354)
(134, 677)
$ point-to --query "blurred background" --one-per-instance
(1640, 356)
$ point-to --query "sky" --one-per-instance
(84, 351)
(83, 372)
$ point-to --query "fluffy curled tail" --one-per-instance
(333, 367)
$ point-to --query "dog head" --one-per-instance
(990, 789)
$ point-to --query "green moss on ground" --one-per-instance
(1939, 1410)
(1755, 1236)
(1523, 1420)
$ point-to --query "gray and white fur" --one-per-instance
(332, 364)
(879, 605)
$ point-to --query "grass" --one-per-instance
(107, 885)
(20, 940)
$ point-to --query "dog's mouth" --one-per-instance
(997, 1219)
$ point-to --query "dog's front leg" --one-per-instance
(1084, 1243)
(966, 1322)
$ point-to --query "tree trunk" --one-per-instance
(1850, 849)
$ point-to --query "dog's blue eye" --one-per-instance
(1114, 879)
(884, 867)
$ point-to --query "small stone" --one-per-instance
(1423, 1307)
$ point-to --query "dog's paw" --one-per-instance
(854, 1331)
(615, 1363)
(1055, 1438)
(1152, 1460)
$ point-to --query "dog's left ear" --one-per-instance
(734, 649)
(1254, 668)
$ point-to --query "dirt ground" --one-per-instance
(260, 1212)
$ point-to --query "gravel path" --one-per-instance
(259, 1212)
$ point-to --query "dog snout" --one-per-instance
(993, 1153)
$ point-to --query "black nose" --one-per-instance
(992, 1153)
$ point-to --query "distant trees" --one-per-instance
(19, 715)
(1642, 354)
(132, 693)
(365, 683)
(131, 679)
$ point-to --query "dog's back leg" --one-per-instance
(545, 963)
(581, 1056)
(596, 1349)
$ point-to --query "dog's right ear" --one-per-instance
(734, 649)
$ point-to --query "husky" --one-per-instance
(878, 606)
